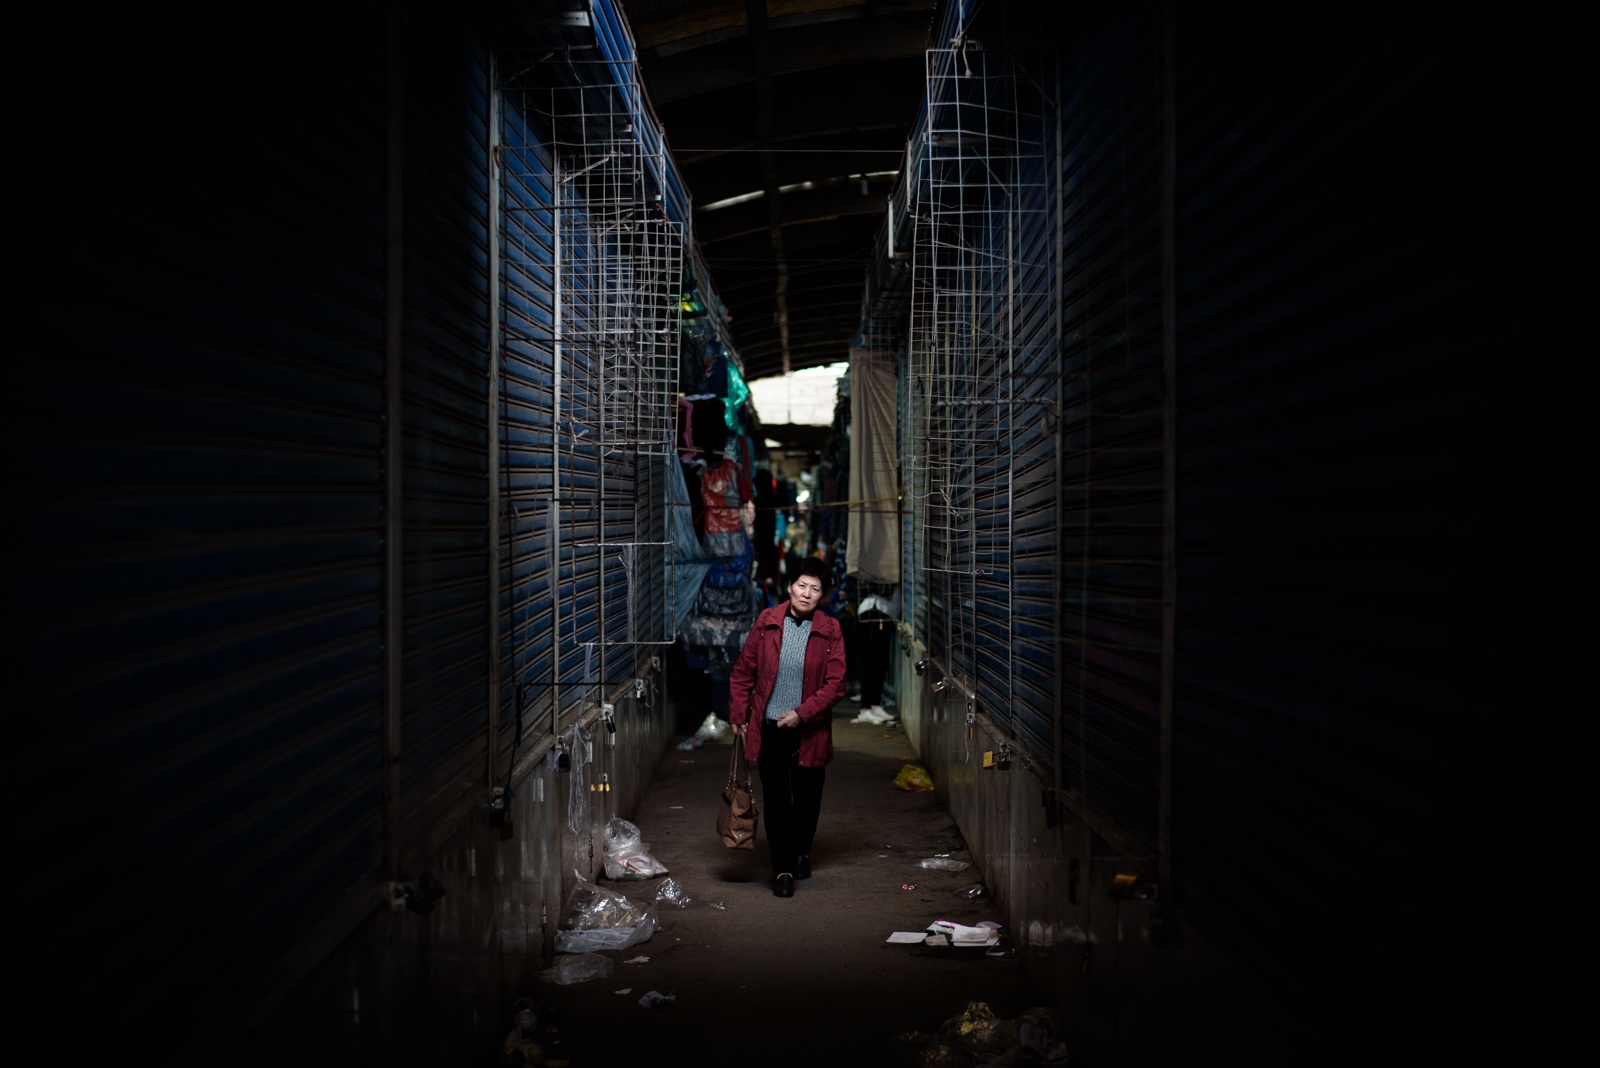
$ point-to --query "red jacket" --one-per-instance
(756, 672)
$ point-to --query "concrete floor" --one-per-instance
(802, 981)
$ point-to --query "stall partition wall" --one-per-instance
(1283, 284)
(260, 440)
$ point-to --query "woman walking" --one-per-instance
(781, 694)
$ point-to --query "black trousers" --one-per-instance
(791, 796)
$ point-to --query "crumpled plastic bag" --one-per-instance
(670, 892)
(626, 856)
(599, 919)
(712, 729)
(572, 968)
(943, 864)
(913, 777)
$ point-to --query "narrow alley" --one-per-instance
(815, 970)
(1164, 424)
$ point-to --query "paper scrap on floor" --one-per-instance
(966, 936)
(905, 937)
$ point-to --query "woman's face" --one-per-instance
(806, 593)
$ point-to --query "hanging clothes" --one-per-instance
(714, 380)
(685, 424)
(725, 489)
(707, 427)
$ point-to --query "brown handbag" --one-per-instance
(736, 816)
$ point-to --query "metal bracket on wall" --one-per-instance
(998, 759)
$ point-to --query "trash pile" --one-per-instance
(913, 777)
(626, 856)
(599, 918)
(602, 919)
(709, 731)
(977, 1037)
(943, 933)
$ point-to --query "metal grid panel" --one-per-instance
(962, 401)
(591, 318)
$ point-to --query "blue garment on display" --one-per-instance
(730, 563)
(688, 557)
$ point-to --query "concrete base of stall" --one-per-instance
(412, 988)
(1135, 982)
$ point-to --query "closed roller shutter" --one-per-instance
(196, 439)
(592, 278)
(527, 294)
(1374, 314)
(1111, 480)
(444, 412)
(1034, 615)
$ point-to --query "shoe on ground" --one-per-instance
(783, 885)
(802, 870)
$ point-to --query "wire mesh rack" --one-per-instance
(591, 306)
(962, 401)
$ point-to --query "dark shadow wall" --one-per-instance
(253, 550)
(1296, 611)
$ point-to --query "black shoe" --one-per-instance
(802, 870)
(783, 885)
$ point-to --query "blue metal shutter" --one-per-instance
(444, 412)
(198, 736)
(526, 394)
(1377, 310)
(1035, 427)
(1111, 484)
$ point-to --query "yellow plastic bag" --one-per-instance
(912, 777)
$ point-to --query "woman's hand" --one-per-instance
(790, 718)
(738, 730)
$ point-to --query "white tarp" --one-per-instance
(872, 548)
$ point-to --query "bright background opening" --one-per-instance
(803, 397)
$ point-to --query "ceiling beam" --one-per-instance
(801, 48)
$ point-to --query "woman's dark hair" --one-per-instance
(813, 566)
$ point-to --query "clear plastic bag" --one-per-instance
(712, 729)
(601, 919)
(943, 864)
(626, 856)
(572, 968)
(670, 892)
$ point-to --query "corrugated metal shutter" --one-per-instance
(591, 282)
(527, 396)
(1111, 481)
(1374, 311)
(444, 412)
(1034, 470)
(198, 734)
